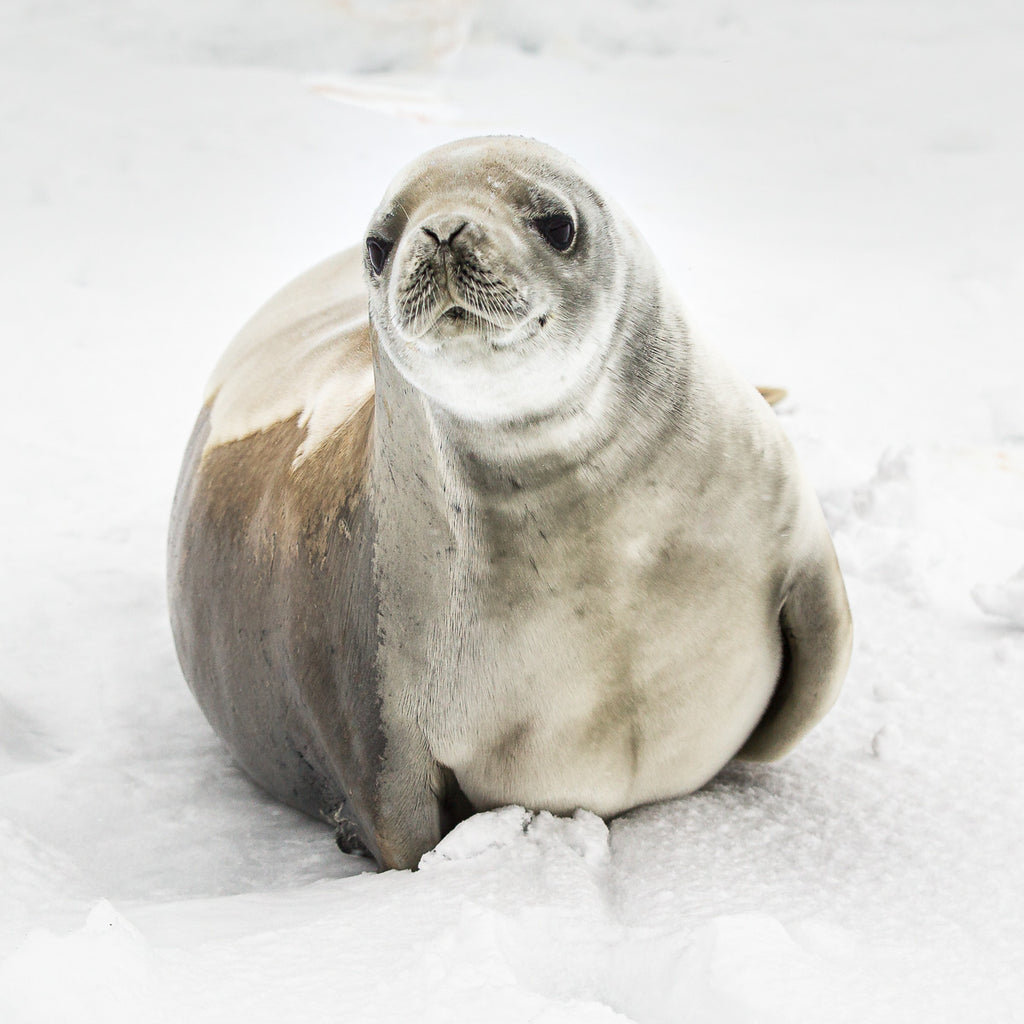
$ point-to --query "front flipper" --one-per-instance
(817, 634)
(408, 816)
(773, 395)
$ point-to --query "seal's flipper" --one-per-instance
(817, 634)
(350, 840)
(773, 395)
(407, 813)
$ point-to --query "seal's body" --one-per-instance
(517, 537)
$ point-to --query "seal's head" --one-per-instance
(496, 276)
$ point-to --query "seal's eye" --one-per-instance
(558, 231)
(377, 249)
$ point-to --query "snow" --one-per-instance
(835, 188)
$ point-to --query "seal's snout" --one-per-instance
(450, 281)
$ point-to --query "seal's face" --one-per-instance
(494, 278)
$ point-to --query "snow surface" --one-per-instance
(836, 188)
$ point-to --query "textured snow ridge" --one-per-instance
(530, 926)
(835, 189)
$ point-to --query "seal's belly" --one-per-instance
(596, 715)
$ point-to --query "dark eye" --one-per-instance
(558, 231)
(377, 249)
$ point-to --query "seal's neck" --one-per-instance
(591, 445)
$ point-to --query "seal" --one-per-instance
(515, 535)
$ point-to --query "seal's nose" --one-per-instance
(444, 229)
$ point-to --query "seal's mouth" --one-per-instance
(453, 316)
(453, 322)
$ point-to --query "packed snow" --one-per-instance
(836, 190)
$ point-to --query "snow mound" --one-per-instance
(105, 972)
(1003, 600)
(516, 832)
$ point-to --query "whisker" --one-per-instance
(497, 304)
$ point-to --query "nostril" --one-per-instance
(443, 230)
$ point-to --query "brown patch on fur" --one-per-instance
(250, 484)
(275, 614)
